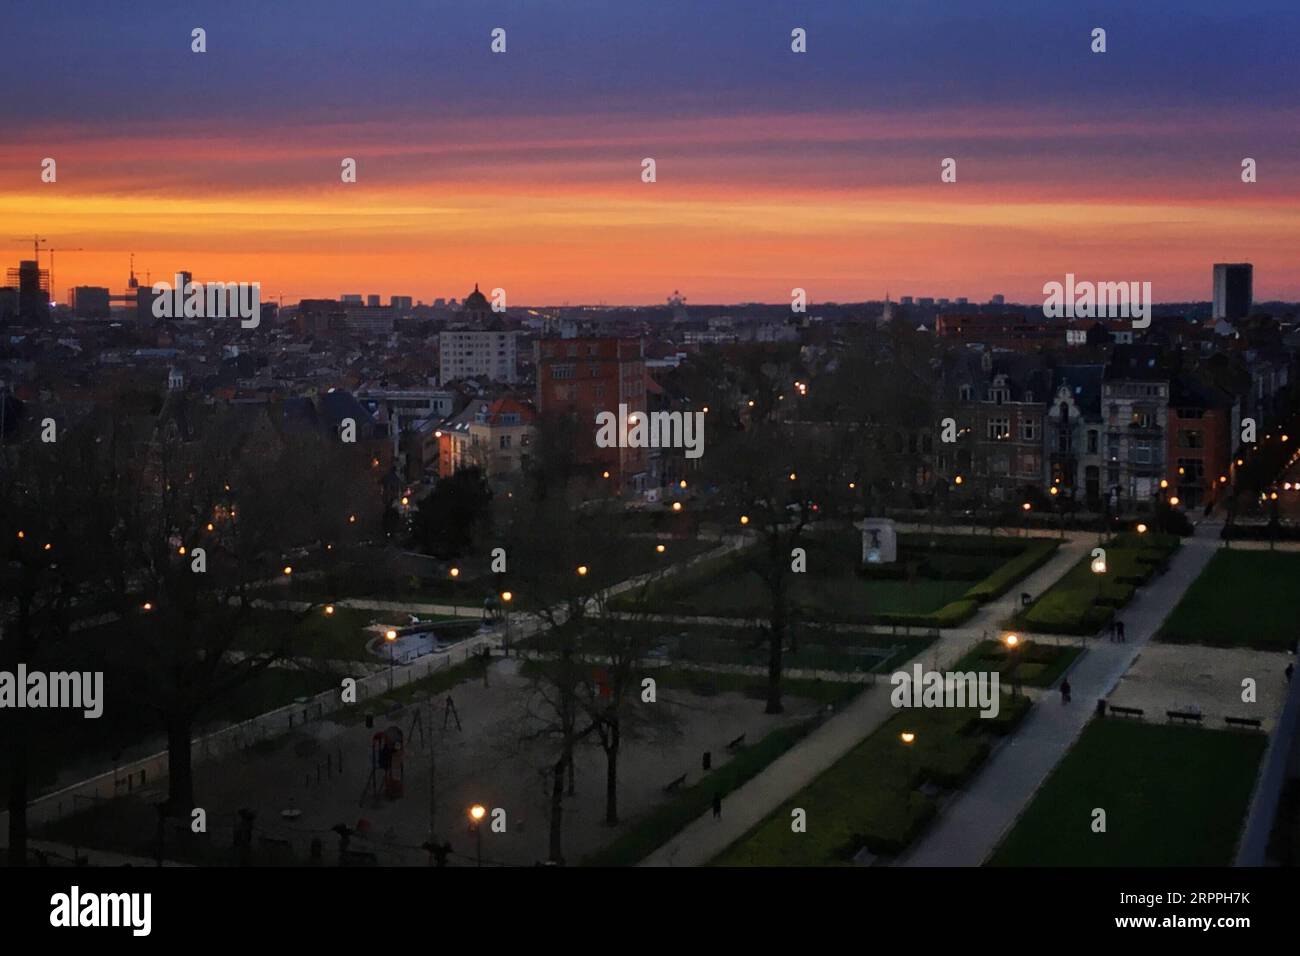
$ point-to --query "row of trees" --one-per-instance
(145, 547)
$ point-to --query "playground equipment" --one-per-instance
(386, 772)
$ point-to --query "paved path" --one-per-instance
(970, 827)
(705, 838)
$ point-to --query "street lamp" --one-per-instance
(582, 570)
(390, 636)
(1012, 641)
(506, 598)
(476, 815)
(908, 738)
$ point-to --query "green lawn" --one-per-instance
(1082, 601)
(1173, 796)
(813, 648)
(869, 797)
(1241, 599)
(938, 581)
(1036, 664)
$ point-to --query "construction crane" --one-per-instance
(51, 251)
(36, 246)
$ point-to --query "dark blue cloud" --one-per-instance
(275, 61)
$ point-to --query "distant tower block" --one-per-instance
(879, 541)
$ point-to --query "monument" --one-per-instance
(879, 541)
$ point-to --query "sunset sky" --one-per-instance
(522, 170)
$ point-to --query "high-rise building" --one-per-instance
(90, 302)
(350, 298)
(401, 303)
(1233, 289)
(372, 301)
(472, 352)
(33, 285)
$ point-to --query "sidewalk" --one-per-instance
(972, 826)
(705, 838)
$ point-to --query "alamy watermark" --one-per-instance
(923, 688)
(1098, 300)
(58, 689)
(210, 300)
(651, 430)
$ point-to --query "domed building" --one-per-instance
(476, 307)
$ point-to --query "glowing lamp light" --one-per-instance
(454, 572)
(352, 519)
(1012, 640)
(329, 610)
(744, 519)
(390, 635)
(1055, 491)
(582, 570)
(147, 606)
(1164, 483)
(682, 483)
(477, 812)
(288, 570)
(793, 476)
(677, 506)
(1173, 501)
(659, 548)
(1026, 506)
(604, 474)
(907, 736)
(1142, 529)
(181, 550)
(958, 480)
(507, 596)
(211, 526)
(405, 500)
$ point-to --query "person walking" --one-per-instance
(717, 806)
(1120, 626)
(1065, 691)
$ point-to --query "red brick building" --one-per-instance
(1013, 331)
(1202, 424)
(585, 376)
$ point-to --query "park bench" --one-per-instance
(675, 784)
(736, 744)
(1242, 722)
(1126, 711)
(1186, 715)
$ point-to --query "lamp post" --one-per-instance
(506, 598)
(390, 636)
(1098, 568)
(1012, 641)
(476, 815)
(908, 738)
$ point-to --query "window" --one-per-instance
(1142, 452)
(1144, 418)
(999, 428)
(505, 442)
(1029, 429)
(964, 393)
(1190, 438)
(999, 396)
(1092, 441)
(561, 371)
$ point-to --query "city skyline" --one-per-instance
(774, 169)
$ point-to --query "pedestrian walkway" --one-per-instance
(703, 839)
(972, 826)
